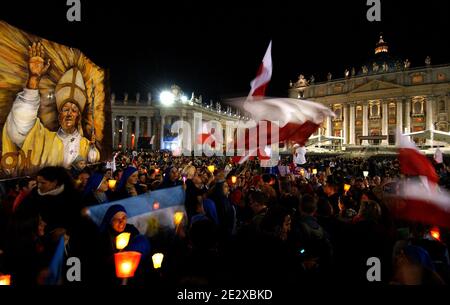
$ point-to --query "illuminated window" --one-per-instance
(337, 108)
(359, 112)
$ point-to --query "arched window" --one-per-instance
(417, 107)
(359, 112)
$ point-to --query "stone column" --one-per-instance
(429, 114)
(407, 115)
(352, 124)
(345, 124)
(399, 121)
(328, 131)
(365, 122)
(136, 131)
(124, 132)
(329, 124)
(429, 119)
(384, 122)
(163, 119)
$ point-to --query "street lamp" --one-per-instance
(166, 98)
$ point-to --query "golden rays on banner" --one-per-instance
(14, 73)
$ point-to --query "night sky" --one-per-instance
(214, 48)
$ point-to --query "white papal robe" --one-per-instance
(23, 130)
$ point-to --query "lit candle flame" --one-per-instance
(157, 259)
(122, 240)
(178, 217)
(347, 187)
(112, 183)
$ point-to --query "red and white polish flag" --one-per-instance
(419, 198)
(413, 162)
(418, 202)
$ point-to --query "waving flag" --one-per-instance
(297, 119)
(56, 264)
(419, 202)
(419, 198)
(413, 162)
(263, 76)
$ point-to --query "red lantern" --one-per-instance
(5, 280)
(435, 233)
(126, 263)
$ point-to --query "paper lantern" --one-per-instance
(314, 171)
(435, 233)
(211, 168)
(233, 179)
(5, 280)
(347, 187)
(157, 259)
(302, 172)
(178, 217)
(112, 184)
(126, 263)
(122, 240)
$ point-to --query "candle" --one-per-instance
(157, 259)
(314, 171)
(435, 233)
(122, 240)
(112, 183)
(178, 217)
(365, 173)
(211, 168)
(126, 263)
(5, 280)
(155, 205)
(233, 179)
(347, 187)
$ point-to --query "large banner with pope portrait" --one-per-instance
(53, 105)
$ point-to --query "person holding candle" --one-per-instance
(114, 223)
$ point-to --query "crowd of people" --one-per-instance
(244, 224)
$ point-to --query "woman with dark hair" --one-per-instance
(171, 177)
(55, 199)
(128, 184)
(27, 250)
